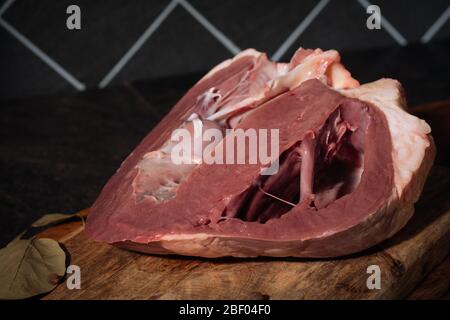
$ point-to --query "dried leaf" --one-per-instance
(30, 267)
(17, 238)
(53, 218)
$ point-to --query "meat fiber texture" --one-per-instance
(352, 163)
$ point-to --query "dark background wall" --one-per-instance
(61, 137)
(39, 55)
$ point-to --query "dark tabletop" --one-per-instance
(57, 152)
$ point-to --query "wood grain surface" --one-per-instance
(436, 285)
(111, 273)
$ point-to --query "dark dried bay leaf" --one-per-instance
(29, 267)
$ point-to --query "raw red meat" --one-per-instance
(352, 163)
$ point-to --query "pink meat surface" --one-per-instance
(352, 163)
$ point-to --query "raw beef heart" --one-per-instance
(352, 163)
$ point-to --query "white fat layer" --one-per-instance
(408, 133)
(184, 236)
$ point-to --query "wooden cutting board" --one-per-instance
(111, 273)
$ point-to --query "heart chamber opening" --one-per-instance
(324, 166)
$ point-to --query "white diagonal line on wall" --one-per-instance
(299, 30)
(234, 49)
(387, 26)
(138, 44)
(42, 55)
(436, 26)
(5, 6)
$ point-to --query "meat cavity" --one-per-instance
(324, 166)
